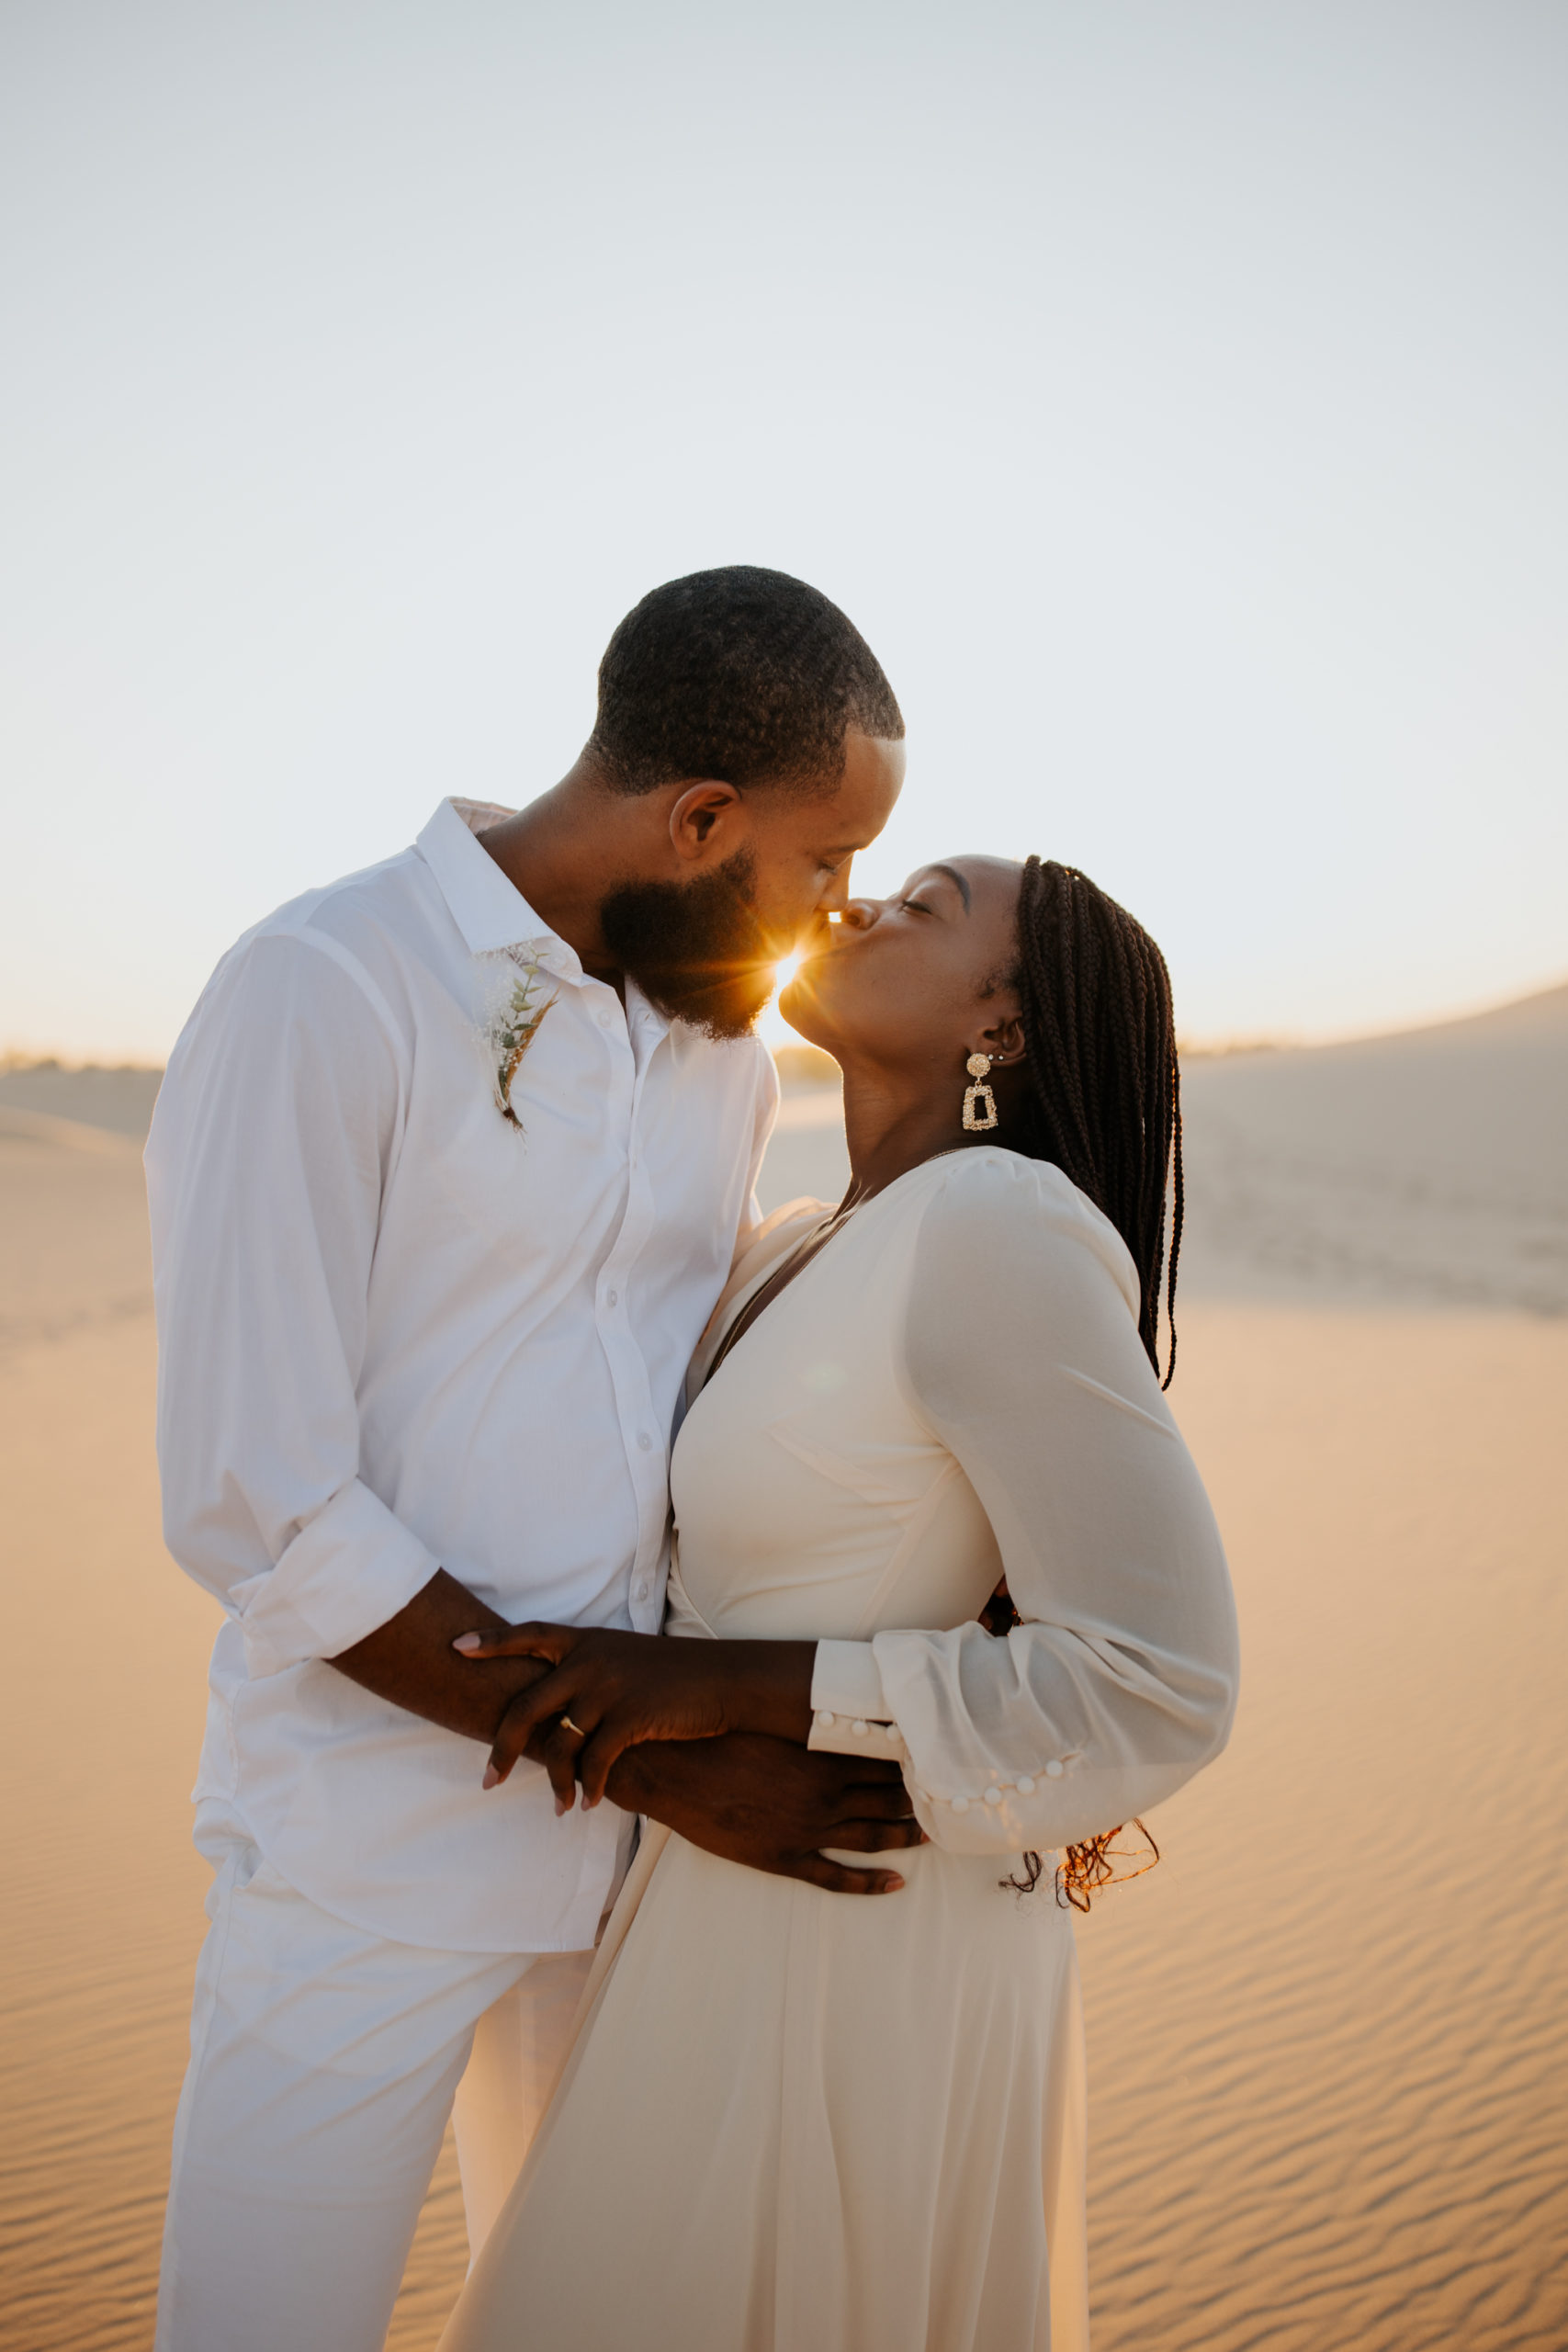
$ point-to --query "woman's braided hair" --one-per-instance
(1104, 1105)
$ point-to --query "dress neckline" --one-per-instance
(815, 1241)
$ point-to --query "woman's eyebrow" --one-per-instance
(954, 877)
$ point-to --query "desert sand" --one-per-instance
(1328, 2049)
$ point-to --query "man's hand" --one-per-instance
(772, 1806)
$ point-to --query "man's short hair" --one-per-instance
(742, 674)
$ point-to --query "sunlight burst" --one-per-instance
(772, 1026)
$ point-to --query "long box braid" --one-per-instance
(1104, 1105)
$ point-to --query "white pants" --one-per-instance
(324, 2063)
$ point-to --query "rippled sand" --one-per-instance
(103, 1660)
(1328, 2035)
(1328, 2042)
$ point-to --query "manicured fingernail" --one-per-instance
(492, 1778)
(560, 1807)
(891, 1883)
(469, 1642)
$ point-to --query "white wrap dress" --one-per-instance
(800, 2121)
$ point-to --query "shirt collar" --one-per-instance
(490, 913)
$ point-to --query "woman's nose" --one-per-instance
(860, 913)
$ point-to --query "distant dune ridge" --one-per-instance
(1427, 1168)
(119, 1099)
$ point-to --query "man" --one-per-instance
(446, 1174)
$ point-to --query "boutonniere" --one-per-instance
(513, 1029)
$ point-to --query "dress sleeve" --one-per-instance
(1021, 1354)
(269, 1150)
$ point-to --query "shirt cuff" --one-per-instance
(348, 1570)
(849, 1715)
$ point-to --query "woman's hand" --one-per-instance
(608, 1690)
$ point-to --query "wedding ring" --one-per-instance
(566, 1725)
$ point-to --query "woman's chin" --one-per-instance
(802, 1013)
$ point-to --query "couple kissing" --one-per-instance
(678, 1669)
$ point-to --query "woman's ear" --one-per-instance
(1004, 1039)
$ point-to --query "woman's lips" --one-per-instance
(832, 944)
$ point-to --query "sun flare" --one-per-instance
(772, 1026)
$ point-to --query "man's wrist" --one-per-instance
(634, 1776)
(664, 1777)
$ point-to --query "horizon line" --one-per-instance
(778, 1036)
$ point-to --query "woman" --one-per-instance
(791, 2123)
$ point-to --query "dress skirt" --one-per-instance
(799, 2122)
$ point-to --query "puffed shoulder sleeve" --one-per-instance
(1021, 1354)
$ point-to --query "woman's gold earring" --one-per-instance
(979, 1103)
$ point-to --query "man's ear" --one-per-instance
(702, 822)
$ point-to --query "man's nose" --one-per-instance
(814, 933)
(835, 897)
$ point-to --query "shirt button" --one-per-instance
(860, 1728)
(1054, 1770)
(992, 1796)
(826, 1719)
(1026, 1786)
(960, 1804)
(642, 1591)
(612, 1298)
(604, 1017)
(645, 1441)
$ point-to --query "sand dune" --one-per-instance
(103, 1662)
(74, 1229)
(1327, 2040)
(1428, 1168)
(119, 1099)
(1432, 1166)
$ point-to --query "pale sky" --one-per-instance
(1173, 394)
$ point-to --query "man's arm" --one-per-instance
(265, 1171)
(411, 1662)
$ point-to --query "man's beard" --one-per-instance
(697, 950)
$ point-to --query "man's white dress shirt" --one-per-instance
(398, 1333)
